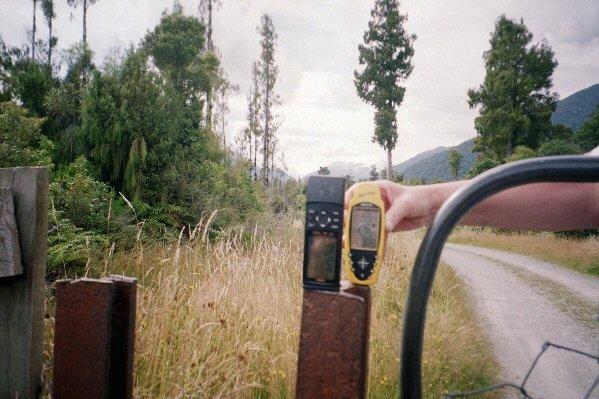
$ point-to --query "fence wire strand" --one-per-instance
(521, 387)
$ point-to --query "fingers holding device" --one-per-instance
(364, 234)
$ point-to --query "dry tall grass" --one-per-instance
(221, 319)
(580, 255)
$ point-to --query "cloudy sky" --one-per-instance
(322, 119)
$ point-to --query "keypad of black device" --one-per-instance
(325, 217)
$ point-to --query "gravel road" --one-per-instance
(523, 302)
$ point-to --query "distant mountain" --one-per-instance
(400, 168)
(435, 166)
(277, 174)
(339, 168)
(430, 165)
(575, 109)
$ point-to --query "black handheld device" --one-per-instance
(323, 233)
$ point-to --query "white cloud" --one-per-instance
(323, 119)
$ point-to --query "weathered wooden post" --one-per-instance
(94, 338)
(333, 349)
(23, 247)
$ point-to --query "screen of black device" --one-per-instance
(365, 224)
(321, 258)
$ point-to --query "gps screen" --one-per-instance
(321, 258)
(365, 224)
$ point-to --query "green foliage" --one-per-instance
(176, 46)
(558, 147)
(79, 197)
(81, 213)
(133, 160)
(385, 130)
(49, 14)
(268, 72)
(374, 173)
(349, 181)
(21, 141)
(398, 177)
(70, 248)
(23, 79)
(455, 159)
(521, 152)
(515, 98)
(482, 164)
(63, 104)
(323, 170)
(133, 177)
(123, 113)
(386, 58)
(288, 198)
(560, 132)
(588, 135)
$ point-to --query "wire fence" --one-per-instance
(521, 388)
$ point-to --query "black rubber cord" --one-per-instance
(571, 169)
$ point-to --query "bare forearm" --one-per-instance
(542, 206)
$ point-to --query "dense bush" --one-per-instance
(558, 147)
(588, 135)
(21, 141)
(131, 155)
(482, 164)
(521, 152)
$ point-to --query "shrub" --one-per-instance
(482, 164)
(558, 147)
(521, 152)
(21, 142)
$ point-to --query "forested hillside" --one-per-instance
(577, 108)
(433, 165)
(572, 112)
(436, 166)
(136, 142)
(401, 167)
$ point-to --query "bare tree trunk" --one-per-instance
(255, 151)
(272, 161)
(209, 30)
(266, 133)
(250, 148)
(210, 48)
(389, 165)
(50, 44)
(222, 121)
(33, 32)
(84, 22)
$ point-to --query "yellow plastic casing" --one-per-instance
(364, 192)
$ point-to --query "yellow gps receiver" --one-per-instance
(364, 233)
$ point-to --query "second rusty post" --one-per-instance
(94, 338)
(333, 349)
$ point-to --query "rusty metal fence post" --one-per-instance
(333, 348)
(94, 338)
(23, 244)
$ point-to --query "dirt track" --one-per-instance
(523, 302)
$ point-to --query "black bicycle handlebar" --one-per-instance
(565, 169)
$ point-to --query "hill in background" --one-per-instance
(433, 164)
(359, 171)
(436, 166)
(574, 110)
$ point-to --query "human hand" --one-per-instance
(406, 207)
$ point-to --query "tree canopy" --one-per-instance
(385, 60)
(515, 99)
